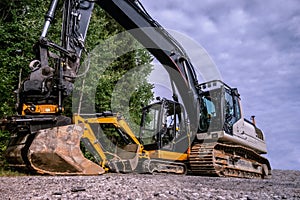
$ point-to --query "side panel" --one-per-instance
(168, 155)
(242, 137)
(246, 131)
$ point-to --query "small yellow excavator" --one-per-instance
(113, 145)
(204, 134)
(110, 141)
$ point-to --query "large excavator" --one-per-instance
(225, 143)
(201, 131)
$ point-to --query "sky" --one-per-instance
(256, 47)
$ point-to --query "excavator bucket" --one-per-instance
(56, 151)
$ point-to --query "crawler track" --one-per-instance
(160, 166)
(215, 159)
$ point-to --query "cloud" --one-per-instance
(256, 46)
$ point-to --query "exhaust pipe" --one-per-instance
(253, 120)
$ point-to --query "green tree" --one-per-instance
(19, 25)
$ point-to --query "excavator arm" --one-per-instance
(52, 76)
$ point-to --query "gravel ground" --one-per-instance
(283, 185)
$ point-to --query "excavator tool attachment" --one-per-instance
(56, 151)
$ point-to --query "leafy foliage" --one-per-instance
(20, 26)
(4, 136)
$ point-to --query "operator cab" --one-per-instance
(163, 127)
(221, 118)
(220, 107)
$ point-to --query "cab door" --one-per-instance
(232, 112)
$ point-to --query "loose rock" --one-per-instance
(283, 185)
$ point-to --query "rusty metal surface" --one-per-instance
(56, 151)
(13, 153)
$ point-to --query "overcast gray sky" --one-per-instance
(256, 46)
